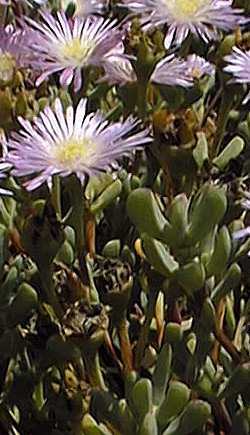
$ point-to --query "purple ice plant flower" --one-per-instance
(203, 18)
(11, 52)
(197, 67)
(86, 7)
(69, 45)
(75, 142)
(239, 67)
(174, 71)
(118, 71)
(170, 71)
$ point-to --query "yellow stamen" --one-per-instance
(71, 152)
(183, 9)
(77, 50)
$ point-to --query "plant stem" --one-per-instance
(125, 345)
(225, 107)
(49, 287)
(56, 195)
(143, 338)
(92, 363)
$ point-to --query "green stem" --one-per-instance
(142, 98)
(92, 363)
(144, 333)
(76, 192)
(49, 287)
(225, 107)
(125, 345)
(56, 195)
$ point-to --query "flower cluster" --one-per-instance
(76, 48)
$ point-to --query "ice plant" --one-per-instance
(70, 45)
(118, 71)
(85, 7)
(174, 71)
(203, 18)
(170, 71)
(239, 67)
(77, 143)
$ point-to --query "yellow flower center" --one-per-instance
(77, 51)
(73, 151)
(184, 9)
(7, 67)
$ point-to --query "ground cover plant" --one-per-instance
(124, 217)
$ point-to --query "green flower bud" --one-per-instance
(177, 397)
(145, 213)
(158, 256)
(208, 209)
(227, 284)
(22, 305)
(191, 276)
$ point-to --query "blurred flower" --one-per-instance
(203, 18)
(73, 143)
(11, 52)
(4, 166)
(174, 71)
(239, 67)
(85, 7)
(197, 67)
(170, 71)
(118, 71)
(70, 45)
